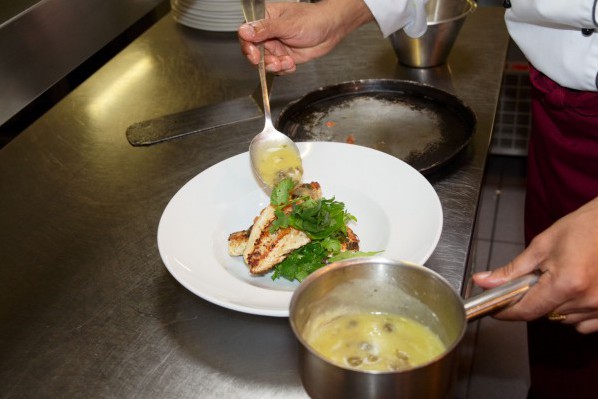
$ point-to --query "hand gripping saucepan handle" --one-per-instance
(497, 298)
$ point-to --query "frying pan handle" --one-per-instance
(494, 299)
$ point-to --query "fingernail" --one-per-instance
(483, 275)
(248, 30)
(286, 64)
(257, 26)
(271, 68)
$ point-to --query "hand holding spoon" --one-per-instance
(274, 156)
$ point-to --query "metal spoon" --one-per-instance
(274, 156)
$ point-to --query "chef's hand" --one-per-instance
(294, 33)
(567, 256)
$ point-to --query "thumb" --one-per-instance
(258, 31)
(247, 32)
(496, 277)
(524, 263)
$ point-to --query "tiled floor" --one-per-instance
(499, 367)
(513, 120)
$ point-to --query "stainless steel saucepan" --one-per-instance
(376, 285)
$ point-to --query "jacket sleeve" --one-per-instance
(393, 15)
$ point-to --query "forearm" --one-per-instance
(346, 15)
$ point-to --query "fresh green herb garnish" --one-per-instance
(319, 218)
(281, 193)
(325, 223)
(309, 258)
(301, 262)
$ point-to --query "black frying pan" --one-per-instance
(422, 125)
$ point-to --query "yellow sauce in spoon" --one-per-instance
(275, 164)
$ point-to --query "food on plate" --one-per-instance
(297, 233)
(373, 341)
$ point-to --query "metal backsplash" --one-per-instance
(48, 39)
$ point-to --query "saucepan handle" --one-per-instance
(497, 298)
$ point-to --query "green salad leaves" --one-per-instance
(325, 223)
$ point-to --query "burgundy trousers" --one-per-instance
(562, 176)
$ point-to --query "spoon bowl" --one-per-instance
(274, 156)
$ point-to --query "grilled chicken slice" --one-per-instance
(351, 243)
(264, 250)
(237, 242)
(312, 190)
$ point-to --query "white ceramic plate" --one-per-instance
(210, 15)
(397, 211)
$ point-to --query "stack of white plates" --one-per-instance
(212, 15)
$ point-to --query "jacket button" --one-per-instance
(506, 3)
(587, 31)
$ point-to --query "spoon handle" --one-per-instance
(254, 10)
(264, 85)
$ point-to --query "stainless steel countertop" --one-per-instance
(87, 308)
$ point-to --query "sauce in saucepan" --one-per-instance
(373, 341)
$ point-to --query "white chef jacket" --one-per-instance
(548, 32)
(393, 15)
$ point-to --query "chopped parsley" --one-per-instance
(325, 223)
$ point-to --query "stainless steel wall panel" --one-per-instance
(43, 43)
